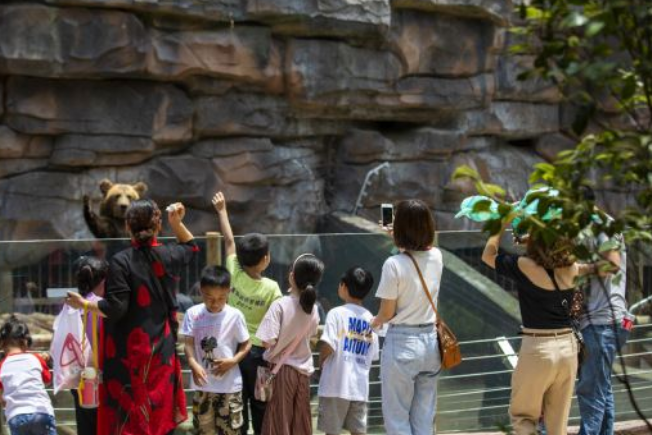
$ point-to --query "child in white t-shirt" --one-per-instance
(348, 347)
(216, 340)
(23, 377)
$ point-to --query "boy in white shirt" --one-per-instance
(348, 347)
(216, 340)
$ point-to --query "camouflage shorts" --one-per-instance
(217, 414)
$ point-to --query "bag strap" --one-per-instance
(94, 347)
(564, 303)
(288, 350)
(424, 285)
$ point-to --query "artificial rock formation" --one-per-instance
(285, 105)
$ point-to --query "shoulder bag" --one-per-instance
(263, 390)
(449, 348)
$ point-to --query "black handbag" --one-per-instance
(573, 315)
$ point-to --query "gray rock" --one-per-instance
(279, 166)
(498, 11)
(366, 146)
(244, 53)
(509, 87)
(491, 164)
(403, 179)
(158, 111)
(514, 120)
(360, 20)
(18, 166)
(256, 115)
(12, 144)
(443, 45)
(201, 85)
(230, 147)
(37, 40)
(450, 95)
(80, 150)
(549, 145)
(323, 68)
(221, 11)
(15, 145)
(366, 85)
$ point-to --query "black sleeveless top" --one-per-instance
(540, 308)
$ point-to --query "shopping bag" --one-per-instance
(263, 389)
(69, 355)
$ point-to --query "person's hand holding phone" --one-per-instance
(387, 217)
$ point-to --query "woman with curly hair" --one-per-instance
(142, 390)
(543, 380)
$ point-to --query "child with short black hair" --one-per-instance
(216, 341)
(23, 377)
(348, 347)
(252, 294)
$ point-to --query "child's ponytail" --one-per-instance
(307, 270)
(308, 298)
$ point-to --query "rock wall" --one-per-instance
(286, 105)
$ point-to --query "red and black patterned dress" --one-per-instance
(142, 391)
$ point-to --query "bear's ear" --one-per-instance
(140, 187)
(105, 185)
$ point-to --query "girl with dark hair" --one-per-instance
(288, 326)
(142, 390)
(91, 273)
(410, 362)
(544, 377)
(23, 377)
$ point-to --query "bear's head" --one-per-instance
(118, 197)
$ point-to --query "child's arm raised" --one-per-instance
(198, 373)
(219, 202)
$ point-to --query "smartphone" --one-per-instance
(386, 214)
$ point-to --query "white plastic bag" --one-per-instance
(68, 357)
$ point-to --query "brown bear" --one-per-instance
(116, 199)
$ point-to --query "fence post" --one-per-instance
(6, 291)
(213, 248)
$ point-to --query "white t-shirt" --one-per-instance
(23, 377)
(279, 328)
(216, 335)
(346, 372)
(400, 281)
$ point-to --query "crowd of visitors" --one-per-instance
(248, 345)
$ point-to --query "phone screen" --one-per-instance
(387, 215)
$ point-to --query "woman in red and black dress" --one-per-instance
(142, 391)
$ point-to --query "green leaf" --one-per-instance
(482, 205)
(465, 171)
(491, 190)
(594, 28)
(609, 245)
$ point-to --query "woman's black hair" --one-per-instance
(308, 270)
(16, 333)
(143, 219)
(90, 272)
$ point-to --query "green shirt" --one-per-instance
(251, 296)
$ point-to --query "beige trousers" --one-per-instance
(543, 382)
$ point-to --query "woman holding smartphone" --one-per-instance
(410, 361)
